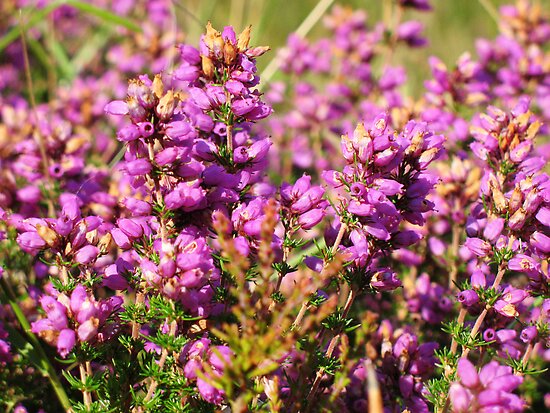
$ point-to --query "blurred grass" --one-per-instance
(451, 27)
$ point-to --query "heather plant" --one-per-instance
(180, 233)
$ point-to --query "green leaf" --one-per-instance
(39, 15)
(90, 49)
(34, 19)
(104, 15)
(25, 348)
(63, 62)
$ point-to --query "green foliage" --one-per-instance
(462, 335)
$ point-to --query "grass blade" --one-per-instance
(104, 15)
(35, 18)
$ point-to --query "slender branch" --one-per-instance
(481, 317)
(531, 349)
(330, 350)
(140, 298)
(162, 361)
(303, 309)
(460, 321)
(230, 141)
(475, 328)
(84, 378)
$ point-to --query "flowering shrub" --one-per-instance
(195, 240)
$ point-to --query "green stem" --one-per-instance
(45, 364)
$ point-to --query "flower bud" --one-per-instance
(244, 39)
(506, 309)
(493, 229)
(29, 194)
(311, 218)
(229, 53)
(136, 111)
(116, 107)
(166, 106)
(146, 129)
(523, 263)
(88, 329)
(478, 246)
(489, 335)
(138, 167)
(130, 227)
(517, 220)
(207, 67)
(528, 334)
(30, 242)
(468, 297)
(86, 254)
(65, 342)
(516, 199)
(532, 201)
(47, 234)
(120, 238)
(78, 297)
(540, 241)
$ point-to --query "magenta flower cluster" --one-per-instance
(179, 233)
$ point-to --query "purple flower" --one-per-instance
(410, 32)
(131, 228)
(540, 241)
(138, 167)
(210, 393)
(311, 218)
(467, 373)
(86, 254)
(523, 263)
(486, 391)
(468, 297)
(529, 334)
(30, 242)
(117, 107)
(478, 246)
(87, 329)
(506, 309)
(65, 342)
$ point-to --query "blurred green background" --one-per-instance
(451, 27)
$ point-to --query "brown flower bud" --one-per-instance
(166, 106)
(517, 220)
(207, 67)
(415, 147)
(473, 182)
(532, 130)
(244, 39)
(516, 200)
(229, 53)
(257, 51)
(74, 144)
(213, 40)
(498, 197)
(158, 86)
(92, 237)
(48, 235)
(105, 242)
